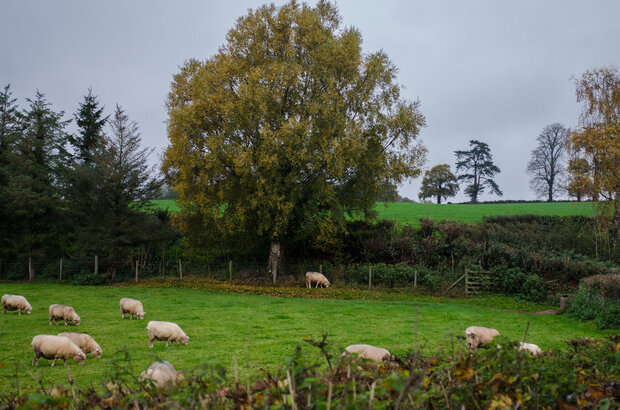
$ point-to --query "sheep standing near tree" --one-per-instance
(317, 278)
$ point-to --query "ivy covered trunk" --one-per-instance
(275, 258)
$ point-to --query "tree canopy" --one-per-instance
(479, 169)
(439, 181)
(287, 129)
(597, 141)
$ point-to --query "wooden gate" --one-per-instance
(477, 282)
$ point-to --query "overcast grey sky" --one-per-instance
(497, 71)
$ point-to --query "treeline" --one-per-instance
(75, 194)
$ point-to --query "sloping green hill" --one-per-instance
(409, 212)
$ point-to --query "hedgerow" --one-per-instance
(585, 375)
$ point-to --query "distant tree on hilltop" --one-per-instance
(439, 181)
(545, 164)
(479, 170)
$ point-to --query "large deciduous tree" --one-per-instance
(288, 128)
(598, 141)
(479, 170)
(439, 181)
(545, 166)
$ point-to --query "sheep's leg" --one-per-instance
(65, 322)
(54, 362)
(19, 312)
(167, 342)
(122, 315)
(35, 361)
(150, 342)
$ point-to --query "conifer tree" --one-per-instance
(35, 169)
(479, 169)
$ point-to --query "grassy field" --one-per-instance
(408, 212)
(256, 331)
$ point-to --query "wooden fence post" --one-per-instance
(370, 277)
(415, 278)
(29, 269)
(321, 269)
(466, 284)
(136, 271)
(180, 269)
(96, 264)
(60, 270)
(230, 270)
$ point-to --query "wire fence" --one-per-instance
(94, 271)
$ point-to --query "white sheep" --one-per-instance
(318, 278)
(369, 352)
(85, 342)
(65, 313)
(56, 347)
(477, 335)
(133, 307)
(168, 331)
(15, 302)
(531, 348)
(163, 374)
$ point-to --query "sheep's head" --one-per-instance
(472, 341)
(97, 352)
(76, 320)
(29, 309)
(141, 315)
(184, 340)
(80, 357)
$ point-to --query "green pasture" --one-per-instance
(410, 212)
(253, 331)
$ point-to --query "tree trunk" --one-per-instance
(439, 199)
(615, 227)
(275, 257)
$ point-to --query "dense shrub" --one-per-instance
(598, 298)
(512, 281)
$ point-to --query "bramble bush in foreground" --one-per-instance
(585, 375)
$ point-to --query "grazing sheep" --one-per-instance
(369, 352)
(133, 307)
(531, 348)
(168, 331)
(477, 335)
(56, 347)
(65, 313)
(15, 302)
(163, 374)
(85, 342)
(318, 278)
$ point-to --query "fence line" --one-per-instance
(97, 270)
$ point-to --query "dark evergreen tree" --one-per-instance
(124, 185)
(84, 180)
(10, 130)
(479, 169)
(90, 122)
(34, 171)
